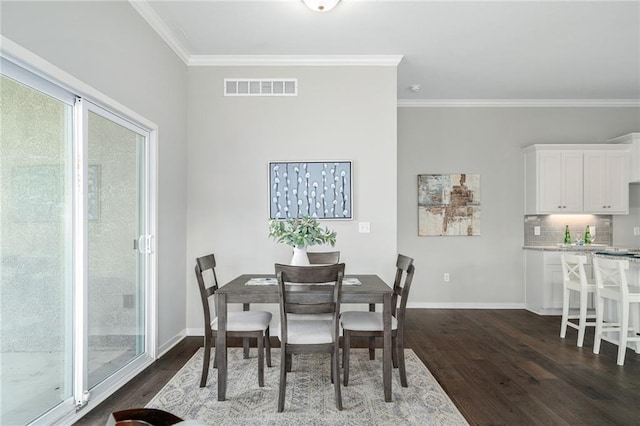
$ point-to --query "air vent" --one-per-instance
(261, 87)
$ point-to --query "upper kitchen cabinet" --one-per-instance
(632, 139)
(553, 181)
(606, 182)
(577, 179)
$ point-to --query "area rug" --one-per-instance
(310, 395)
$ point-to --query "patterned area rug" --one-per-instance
(310, 396)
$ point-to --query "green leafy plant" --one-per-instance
(301, 232)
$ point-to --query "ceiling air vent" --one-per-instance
(261, 87)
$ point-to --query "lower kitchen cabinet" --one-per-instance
(543, 282)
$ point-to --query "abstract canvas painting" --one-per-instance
(320, 189)
(448, 204)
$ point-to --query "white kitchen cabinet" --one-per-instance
(632, 139)
(606, 182)
(543, 287)
(576, 179)
(554, 181)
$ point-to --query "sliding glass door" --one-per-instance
(35, 252)
(76, 250)
(116, 206)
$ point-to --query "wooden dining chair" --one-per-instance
(323, 257)
(245, 324)
(370, 324)
(310, 335)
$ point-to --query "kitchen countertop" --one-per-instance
(561, 247)
(632, 255)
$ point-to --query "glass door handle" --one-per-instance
(143, 244)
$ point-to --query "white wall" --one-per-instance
(486, 270)
(344, 113)
(110, 47)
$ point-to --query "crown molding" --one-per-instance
(294, 60)
(518, 103)
(148, 14)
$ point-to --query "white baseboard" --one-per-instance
(464, 305)
(171, 343)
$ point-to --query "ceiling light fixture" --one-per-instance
(321, 5)
(415, 88)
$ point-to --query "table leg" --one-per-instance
(386, 348)
(221, 345)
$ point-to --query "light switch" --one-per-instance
(636, 231)
(364, 227)
(536, 230)
(592, 231)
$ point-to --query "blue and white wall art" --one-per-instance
(320, 189)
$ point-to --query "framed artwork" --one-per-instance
(448, 204)
(320, 189)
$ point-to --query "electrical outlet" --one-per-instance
(446, 277)
(592, 231)
(636, 231)
(536, 230)
(364, 227)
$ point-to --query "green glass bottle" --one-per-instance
(587, 236)
(567, 235)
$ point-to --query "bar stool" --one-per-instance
(574, 278)
(611, 282)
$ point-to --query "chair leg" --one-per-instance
(372, 348)
(394, 352)
(399, 347)
(582, 322)
(346, 345)
(599, 319)
(624, 331)
(205, 363)
(267, 345)
(565, 313)
(289, 362)
(332, 372)
(245, 347)
(283, 379)
(260, 342)
(336, 373)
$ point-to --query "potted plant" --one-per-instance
(300, 233)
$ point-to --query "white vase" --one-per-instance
(300, 257)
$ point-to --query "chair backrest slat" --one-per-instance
(401, 288)
(204, 264)
(324, 257)
(611, 273)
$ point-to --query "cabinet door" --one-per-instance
(596, 182)
(550, 179)
(606, 182)
(572, 182)
(618, 173)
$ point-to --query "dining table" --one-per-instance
(362, 288)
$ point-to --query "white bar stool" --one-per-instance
(574, 278)
(611, 282)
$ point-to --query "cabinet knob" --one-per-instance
(559, 207)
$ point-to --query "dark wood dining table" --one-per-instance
(372, 290)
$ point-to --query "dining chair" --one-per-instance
(611, 284)
(323, 257)
(244, 324)
(574, 278)
(370, 324)
(310, 335)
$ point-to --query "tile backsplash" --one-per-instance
(552, 228)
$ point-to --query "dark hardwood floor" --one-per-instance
(505, 367)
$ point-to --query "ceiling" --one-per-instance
(536, 52)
